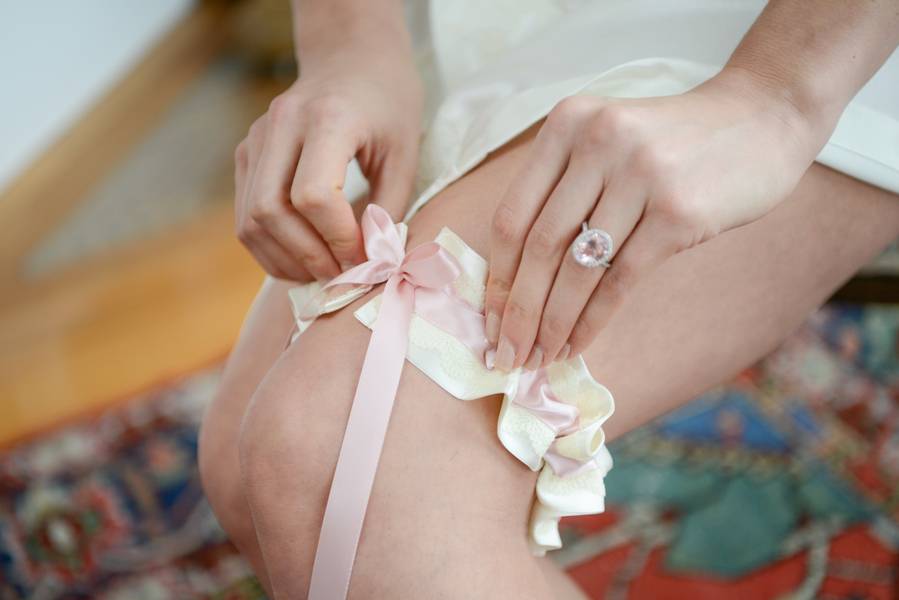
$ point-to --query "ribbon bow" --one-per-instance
(428, 266)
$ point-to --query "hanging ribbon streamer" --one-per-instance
(427, 267)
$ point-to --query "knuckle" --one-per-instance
(282, 108)
(612, 123)
(543, 241)
(277, 273)
(245, 233)
(309, 259)
(255, 129)
(313, 265)
(677, 210)
(565, 114)
(593, 135)
(497, 294)
(341, 245)
(654, 162)
(262, 212)
(309, 197)
(240, 154)
(326, 108)
(505, 226)
(518, 312)
(316, 262)
(570, 109)
(553, 329)
(498, 289)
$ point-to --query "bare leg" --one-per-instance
(449, 506)
(712, 311)
(262, 339)
(563, 586)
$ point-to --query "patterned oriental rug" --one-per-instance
(782, 484)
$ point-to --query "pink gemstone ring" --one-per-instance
(592, 248)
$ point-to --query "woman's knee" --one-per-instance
(290, 434)
(272, 442)
(261, 341)
(220, 477)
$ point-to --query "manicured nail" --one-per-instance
(492, 327)
(564, 352)
(505, 355)
(490, 359)
(535, 360)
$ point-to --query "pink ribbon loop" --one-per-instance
(535, 394)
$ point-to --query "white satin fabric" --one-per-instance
(502, 65)
(455, 368)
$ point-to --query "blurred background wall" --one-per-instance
(58, 58)
(118, 264)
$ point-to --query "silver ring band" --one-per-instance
(592, 248)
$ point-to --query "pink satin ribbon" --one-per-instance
(535, 394)
(427, 267)
(418, 281)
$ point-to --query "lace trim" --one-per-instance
(571, 465)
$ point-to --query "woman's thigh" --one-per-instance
(709, 312)
(449, 506)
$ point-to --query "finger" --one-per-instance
(268, 253)
(298, 238)
(246, 159)
(317, 190)
(241, 164)
(274, 259)
(279, 143)
(651, 243)
(617, 212)
(267, 197)
(558, 223)
(519, 208)
(392, 183)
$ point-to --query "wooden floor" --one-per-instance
(120, 323)
(106, 327)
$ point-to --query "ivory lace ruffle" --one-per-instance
(551, 419)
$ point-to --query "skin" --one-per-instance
(359, 96)
(267, 470)
(449, 507)
(662, 175)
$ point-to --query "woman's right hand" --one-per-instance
(359, 100)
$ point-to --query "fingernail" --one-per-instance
(505, 355)
(564, 352)
(492, 326)
(490, 359)
(535, 360)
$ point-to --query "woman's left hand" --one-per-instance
(660, 175)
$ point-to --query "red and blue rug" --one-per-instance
(782, 484)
